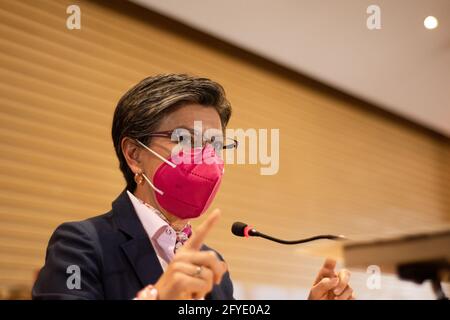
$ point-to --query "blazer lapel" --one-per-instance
(138, 248)
(142, 257)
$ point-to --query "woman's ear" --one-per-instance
(131, 153)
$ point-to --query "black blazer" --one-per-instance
(115, 257)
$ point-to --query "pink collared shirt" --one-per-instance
(162, 236)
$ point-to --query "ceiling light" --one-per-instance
(430, 22)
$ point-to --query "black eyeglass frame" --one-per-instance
(169, 134)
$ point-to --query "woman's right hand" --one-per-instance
(192, 273)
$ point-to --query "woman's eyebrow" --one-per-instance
(192, 130)
(183, 127)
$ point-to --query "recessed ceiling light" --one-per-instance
(430, 22)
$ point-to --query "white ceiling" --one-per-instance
(402, 67)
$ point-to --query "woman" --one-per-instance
(144, 248)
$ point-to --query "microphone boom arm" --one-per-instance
(241, 229)
(325, 236)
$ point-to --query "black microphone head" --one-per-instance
(238, 229)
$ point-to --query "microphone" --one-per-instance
(241, 229)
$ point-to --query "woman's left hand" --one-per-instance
(330, 285)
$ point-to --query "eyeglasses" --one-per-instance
(189, 138)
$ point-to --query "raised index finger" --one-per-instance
(198, 237)
(327, 270)
(329, 264)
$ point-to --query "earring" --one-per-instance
(138, 178)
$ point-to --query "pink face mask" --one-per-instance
(186, 184)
